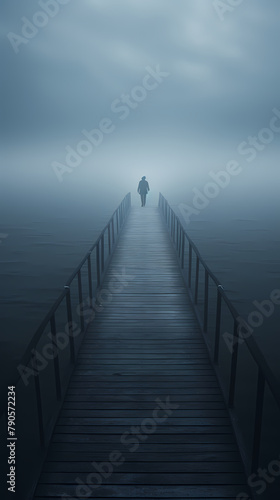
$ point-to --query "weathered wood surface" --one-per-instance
(142, 350)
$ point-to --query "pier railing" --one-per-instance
(45, 368)
(193, 266)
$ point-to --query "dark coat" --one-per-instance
(143, 187)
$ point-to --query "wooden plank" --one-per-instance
(128, 376)
(138, 406)
(141, 385)
(58, 456)
(151, 362)
(214, 492)
(152, 478)
(112, 413)
(140, 350)
(128, 422)
(179, 393)
(145, 448)
(150, 466)
(180, 433)
(142, 381)
(73, 436)
(139, 399)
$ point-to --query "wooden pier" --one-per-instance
(143, 415)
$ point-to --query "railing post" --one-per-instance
(180, 242)
(190, 266)
(183, 250)
(109, 239)
(117, 219)
(70, 324)
(38, 399)
(196, 280)
(258, 421)
(102, 253)
(234, 357)
(113, 230)
(206, 299)
(98, 264)
(218, 327)
(56, 360)
(80, 300)
(89, 279)
(121, 215)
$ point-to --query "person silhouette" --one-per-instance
(143, 188)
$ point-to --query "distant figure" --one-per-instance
(143, 188)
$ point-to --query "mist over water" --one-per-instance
(219, 88)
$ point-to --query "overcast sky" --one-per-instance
(223, 81)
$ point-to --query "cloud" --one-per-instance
(224, 74)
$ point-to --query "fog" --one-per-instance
(98, 93)
(219, 85)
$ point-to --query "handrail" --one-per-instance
(265, 375)
(119, 216)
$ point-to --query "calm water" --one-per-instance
(41, 250)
